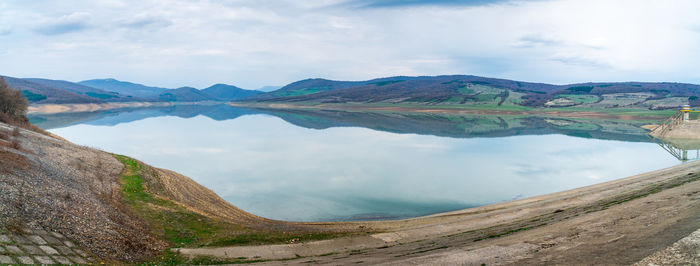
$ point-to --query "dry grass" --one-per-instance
(10, 160)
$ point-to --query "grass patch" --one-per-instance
(173, 258)
(181, 227)
(273, 237)
(466, 90)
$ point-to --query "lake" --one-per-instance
(299, 165)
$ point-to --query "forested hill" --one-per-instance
(458, 90)
(48, 91)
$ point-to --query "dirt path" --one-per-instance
(618, 222)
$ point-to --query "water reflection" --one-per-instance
(437, 124)
(683, 150)
(330, 165)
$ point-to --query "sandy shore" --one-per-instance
(617, 222)
(92, 107)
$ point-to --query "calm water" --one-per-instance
(276, 169)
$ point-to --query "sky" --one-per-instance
(254, 43)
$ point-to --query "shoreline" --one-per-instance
(93, 107)
(471, 110)
(487, 227)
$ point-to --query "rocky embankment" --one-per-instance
(53, 185)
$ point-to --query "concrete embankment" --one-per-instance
(618, 222)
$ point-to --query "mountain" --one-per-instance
(229, 92)
(38, 93)
(463, 90)
(124, 87)
(311, 86)
(81, 89)
(47, 91)
(185, 94)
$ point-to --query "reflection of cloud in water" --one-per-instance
(271, 168)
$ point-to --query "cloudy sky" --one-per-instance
(253, 43)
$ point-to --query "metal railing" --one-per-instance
(672, 121)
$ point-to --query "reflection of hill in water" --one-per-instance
(446, 125)
(466, 126)
(117, 116)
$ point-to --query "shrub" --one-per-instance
(12, 103)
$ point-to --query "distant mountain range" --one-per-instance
(45, 91)
(464, 90)
(446, 91)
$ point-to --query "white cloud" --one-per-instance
(256, 43)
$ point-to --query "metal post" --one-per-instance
(686, 112)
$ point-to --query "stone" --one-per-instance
(20, 239)
(37, 239)
(14, 250)
(25, 260)
(33, 250)
(77, 260)
(65, 250)
(2, 250)
(49, 250)
(6, 260)
(44, 259)
(41, 232)
(52, 240)
(80, 252)
(57, 235)
(5, 239)
(61, 260)
(68, 244)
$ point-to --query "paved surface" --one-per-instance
(40, 247)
